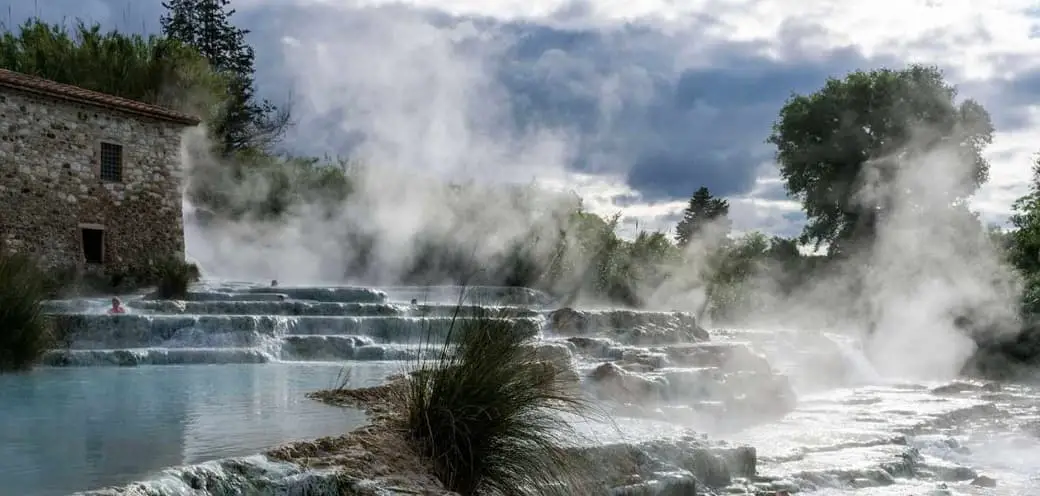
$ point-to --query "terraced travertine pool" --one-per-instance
(225, 375)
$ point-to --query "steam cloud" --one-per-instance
(422, 102)
(429, 113)
(929, 265)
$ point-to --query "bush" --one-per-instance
(486, 413)
(173, 277)
(25, 332)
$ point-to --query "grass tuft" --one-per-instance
(487, 413)
(25, 331)
(173, 277)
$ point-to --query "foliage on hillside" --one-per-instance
(150, 69)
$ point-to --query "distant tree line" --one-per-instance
(861, 132)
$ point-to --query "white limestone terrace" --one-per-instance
(237, 323)
(787, 400)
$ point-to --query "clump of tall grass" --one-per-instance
(25, 331)
(486, 412)
(173, 278)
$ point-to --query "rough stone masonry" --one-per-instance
(88, 180)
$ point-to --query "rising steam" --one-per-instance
(932, 263)
(424, 110)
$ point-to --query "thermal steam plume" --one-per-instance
(932, 263)
(929, 266)
(432, 115)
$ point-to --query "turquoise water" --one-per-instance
(65, 430)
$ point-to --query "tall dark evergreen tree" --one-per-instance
(205, 25)
(702, 210)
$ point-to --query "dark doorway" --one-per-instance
(93, 245)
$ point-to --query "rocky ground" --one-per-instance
(685, 464)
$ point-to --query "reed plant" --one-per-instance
(490, 414)
(25, 331)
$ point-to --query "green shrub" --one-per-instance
(486, 413)
(173, 277)
(25, 331)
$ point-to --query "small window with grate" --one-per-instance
(111, 162)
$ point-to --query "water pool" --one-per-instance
(65, 430)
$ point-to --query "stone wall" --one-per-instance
(51, 187)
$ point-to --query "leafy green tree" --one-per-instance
(206, 25)
(788, 267)
(783, 249)
(733, 268)
(1024, 239)
(258, 185)
(1022, 243)
(702, 210)
(882, 119)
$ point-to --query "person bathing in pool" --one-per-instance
(117, 307)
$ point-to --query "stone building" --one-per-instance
(88, 180)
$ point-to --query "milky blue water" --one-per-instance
(64, 430)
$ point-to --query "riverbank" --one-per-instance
(377, 455)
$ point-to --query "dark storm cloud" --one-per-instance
(670, 128)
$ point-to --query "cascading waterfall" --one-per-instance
(789, 394)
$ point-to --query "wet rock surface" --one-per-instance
(628, 326)
(710, 381)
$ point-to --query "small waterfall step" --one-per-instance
(472, 295)
(335, 295)
(478, 295)
(331, 350)
(88, 331)
(220, 296)
(316, 308)
(154, 356)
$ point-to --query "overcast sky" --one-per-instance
(634, 103)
